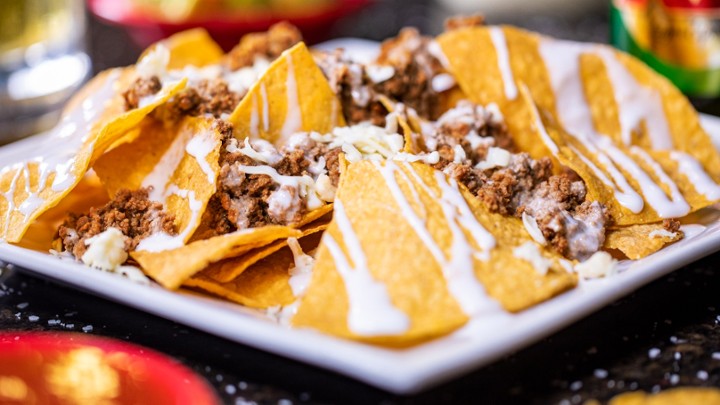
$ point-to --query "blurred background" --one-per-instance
(48, 48)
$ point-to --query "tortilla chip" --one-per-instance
(88, 193)
(406, 273)
(293, 95)
(33, 181)
(638, 241)
(179, 160)
(193, 47)
(229, 269)
(600, 75)
(172, 267)
(264, 284)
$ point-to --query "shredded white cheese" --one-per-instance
(429, 158)
(379, 73)
(363, 141)
(496, 157)
(324, 188)
(106, 250)
(459, 154)
(600, 264)
(260, 150)
(532, 228)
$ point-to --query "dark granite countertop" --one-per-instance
(666, 334)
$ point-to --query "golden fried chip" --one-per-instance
(293, 95)
(680, 395)
(172, 267)
(38, 177)
(88, 193)
(226, 270)
(177, 160)
(192, 47)
(638, 241)
(410, 256)
(626, 128)
(264, 284)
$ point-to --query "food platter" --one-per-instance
(403, 371)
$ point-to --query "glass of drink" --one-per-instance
(42, 62)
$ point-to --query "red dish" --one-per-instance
(60, 368)
(314, 24)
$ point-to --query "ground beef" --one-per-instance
(413, 68)
(141, 87)
(572, 226)
(206, 97)
(671, 224)
(269, 45)
(131, 212)
(354, 88)
(293, 163)
(251, 200)
(332, 163)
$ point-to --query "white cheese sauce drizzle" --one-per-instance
(157, 178)
(677, 206)
(503, 55)
(636, 103)
(693, 170)
(562, 59)
(371, 311)
(549, 143)
(254, 125)
(199, 147)
(293, 117)
(624, 194)
(458, 268)
(265, 107)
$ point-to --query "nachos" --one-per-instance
(391, 202)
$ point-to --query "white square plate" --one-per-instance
(402, 371)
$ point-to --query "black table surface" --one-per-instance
(666, 334)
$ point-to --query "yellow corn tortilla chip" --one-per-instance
(264, 284)
(193, 47)
(383, 245)
(39, 177)
(88, 193)
(638, 241)
(598, 79)
(292, 95)
(681, 395)
(179, 160)
(172, 267)
(226, 270)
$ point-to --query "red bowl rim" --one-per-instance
(112, 11)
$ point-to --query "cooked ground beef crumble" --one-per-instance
(209, 96)
(251, 200)
(270, 44)
(131, 212)
(141, 87)
(514, 183)
(215, 95)
(403, 72)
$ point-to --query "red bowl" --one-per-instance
(315, 24)
(58, 368)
